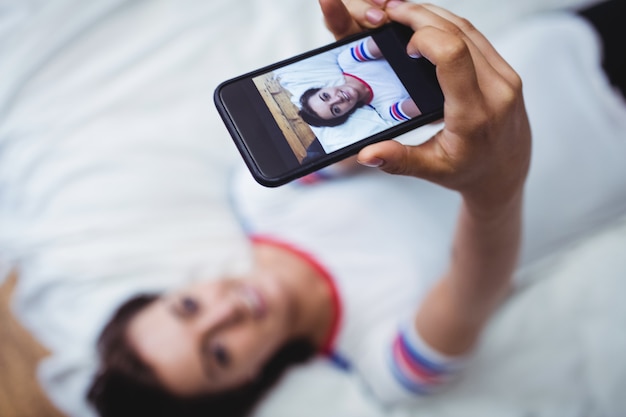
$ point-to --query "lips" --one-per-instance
(346, 96)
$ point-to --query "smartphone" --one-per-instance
(301, 114)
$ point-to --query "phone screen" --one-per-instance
(294, 117)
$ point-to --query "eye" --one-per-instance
(221, 356)
(189, 305)
(336, 110)
(325, 96)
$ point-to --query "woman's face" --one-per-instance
(211, 336)
(331, 102)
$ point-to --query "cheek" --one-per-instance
(347, 107)
(250, 349)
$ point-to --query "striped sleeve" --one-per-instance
(396, 366)
(360, 53)
(419, 368)
(396, 113)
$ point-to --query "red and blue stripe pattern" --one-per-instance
(360, 53)
(397, 114)
(318, 176)
(417, 367)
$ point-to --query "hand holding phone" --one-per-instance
(301, 114)
(483, 149)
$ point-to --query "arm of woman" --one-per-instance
(483, 152)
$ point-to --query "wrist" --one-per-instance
(493, 207)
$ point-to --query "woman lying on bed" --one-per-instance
(406, 327)
(368, 79)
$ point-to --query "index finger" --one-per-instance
(485, 47)
(461, 68)
(455, 70)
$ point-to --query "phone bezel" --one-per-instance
(253, 159)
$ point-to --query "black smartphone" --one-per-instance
(302, 114)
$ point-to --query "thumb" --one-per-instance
(396, 158)
(338, 19)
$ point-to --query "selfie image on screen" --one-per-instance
(335, 99)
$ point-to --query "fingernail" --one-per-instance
(393, 3)
(375, 16)
(415, 55)
(372, 162)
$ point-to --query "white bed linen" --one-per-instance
(113, 161)
(113, 168)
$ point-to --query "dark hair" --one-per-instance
(312, 118)
(126, 386)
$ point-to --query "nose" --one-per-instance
(337, 98)
(219, 315)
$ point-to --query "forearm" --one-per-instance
(485, 253)
(483, 152)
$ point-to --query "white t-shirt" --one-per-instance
(356, 237)
(385, 239)
(387, 89)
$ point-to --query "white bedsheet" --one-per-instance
(113, 173)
